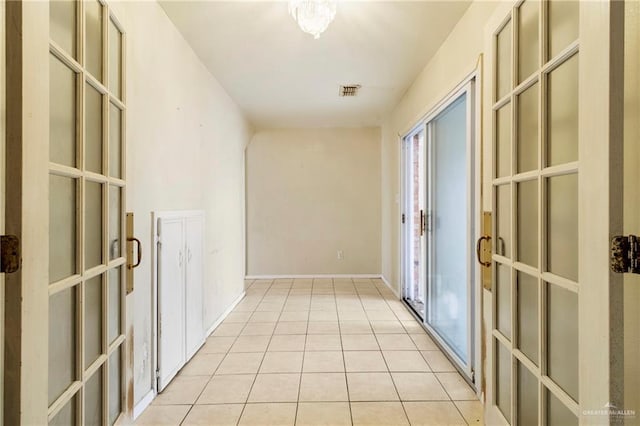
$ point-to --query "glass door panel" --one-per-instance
(536, 284)
(86, 215)
(448, 284)
(414, 221)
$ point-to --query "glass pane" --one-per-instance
(528, 316)
(66, 416)
(503, 297)
(93, 224)
(93, 50)
(448, 287)
(93, 400)
(528, 43)
(93, 320)
(503, 69)
(563, 24)
(115, 222)
(62, 348)
(115, 387)
(62, 227)
(115, 52)
(562, 113)
(562, 226)
(503, 220)
(62, 24)
(62, 113)
(558, 414)
(562, 332)
(93, 130)
(503, 382)
(528, 129)
(527, 397)
(528, 222)
(115, 292)
(416, 206)
(115, 143)
(503, 142)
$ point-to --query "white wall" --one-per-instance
(310, 193)
(185, 150)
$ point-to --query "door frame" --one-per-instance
(27, 149)
(471, 83)
(3, 69)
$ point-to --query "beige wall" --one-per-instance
(186, 141)
(310, 193)
(457, 57)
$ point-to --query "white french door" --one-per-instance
(440, 196)
(554, 117)
(66, 356)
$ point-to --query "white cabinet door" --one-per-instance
(193, 288)
(171, 303)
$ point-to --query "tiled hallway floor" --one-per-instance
(317, 352)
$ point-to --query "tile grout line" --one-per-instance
(263, 355)
(363, 293)
(216, 369)
(295, 418)
(395, 387)
(344, 362)
(430, 368)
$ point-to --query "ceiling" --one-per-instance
(282, 77)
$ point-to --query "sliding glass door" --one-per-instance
(445, 225)
(414, 219)
(451, 232)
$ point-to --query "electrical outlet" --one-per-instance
(340, 255)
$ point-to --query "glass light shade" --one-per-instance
(313, 16)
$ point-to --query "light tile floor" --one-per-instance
(317, 352)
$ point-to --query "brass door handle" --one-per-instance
(478, 249)
(422, 223)
(133, 239)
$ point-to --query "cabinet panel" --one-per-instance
(180, 296)
(171, 302)
(193, 287)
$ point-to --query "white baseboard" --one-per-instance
(225, 314)
(384, 280)
(277, 277)
(143, 404)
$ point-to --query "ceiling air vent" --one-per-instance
(350, 90)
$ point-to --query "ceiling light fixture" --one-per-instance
(313, 16)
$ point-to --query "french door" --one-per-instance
(554, 117)
(440, 196)
(65, 356)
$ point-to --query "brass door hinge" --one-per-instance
(625, 254)
(9, 253)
